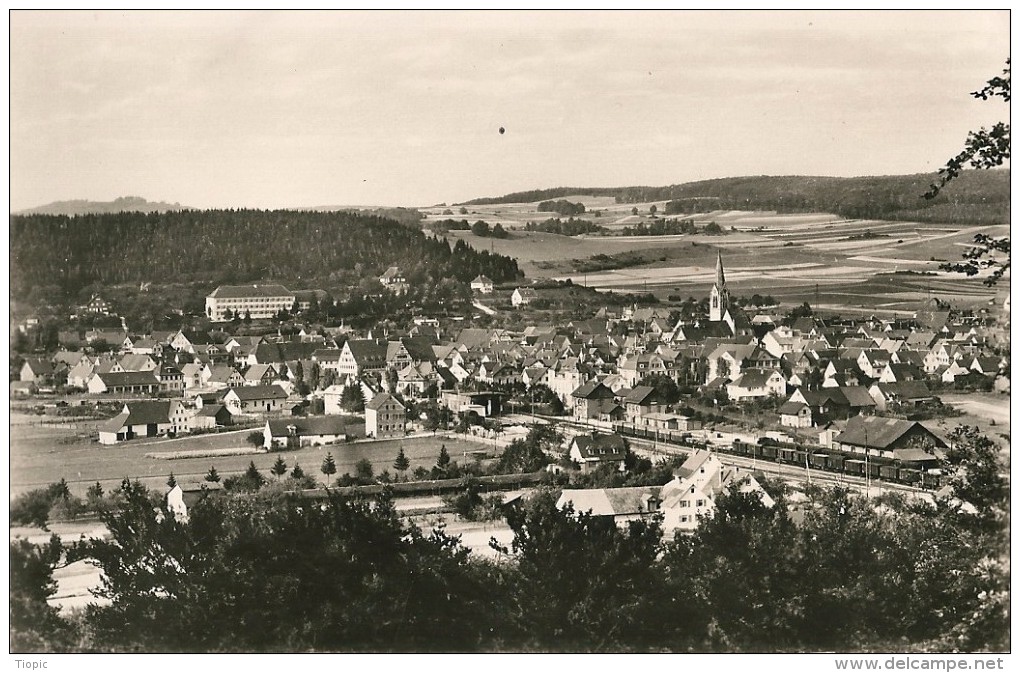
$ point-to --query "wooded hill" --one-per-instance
(975, 197)
(232, 246)
(119, 205)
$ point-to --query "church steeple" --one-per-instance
(719, 301)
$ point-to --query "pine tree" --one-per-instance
(401, 463)
(443, 461)
(171, 481)
(297, 472)
(279, 468)
(212, 476)
(254, 477)
(94, 492)
(328, 467)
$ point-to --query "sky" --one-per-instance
(298, 109)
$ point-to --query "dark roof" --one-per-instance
(313, 425)
(368, 350)
(379, 400)
(241, 291)
(248, 393)
(878, 432)
(601, 447)
(140, 413)
(907, 390)
(642, 395)
(593, 390)
(792, 408)
(128, 378)
(39, 366)
(212, 410)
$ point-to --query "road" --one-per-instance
(483, 308)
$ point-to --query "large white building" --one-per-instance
(258, 301)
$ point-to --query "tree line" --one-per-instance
(231, 246)
(979, 197)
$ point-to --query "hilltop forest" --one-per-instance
(230, 246)
(977, 197)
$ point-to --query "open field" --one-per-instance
(41, 455)
(821, 258)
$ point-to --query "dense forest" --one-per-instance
(231, 246)
(976, 197)
(266, 572)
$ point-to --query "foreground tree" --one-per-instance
(266, 572)
(983, 149)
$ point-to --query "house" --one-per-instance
(393, 280)
(294, 433)
(23, 389)
(668, 422)
(482, 284)
(643, 400)
(622, 505)
(171, 381)
(150, 418)
(523, 296)
(795, 415)
(260, 375)
(989, 366)
(897, 373)
(81, 373)
(255, 399)
(907, 393)
(362, 356)
(195, 374)
(184, 495)
(124, 382)
(223, 376)
(888, 438)
(696, 486)
(37, 370)
(757, 383)
(594, 450)
(385, 416)
(212, 416)
(255, 301)
(592, 400)
(137, 362)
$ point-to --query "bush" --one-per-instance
(66, 509)
(32, 508)
(256, 438)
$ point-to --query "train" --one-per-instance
(813, 457)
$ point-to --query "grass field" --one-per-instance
(41, 454)
(815, 257)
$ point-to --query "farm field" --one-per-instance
(821, 258)
(42, 454)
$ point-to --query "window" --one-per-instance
(685, 503)
(700, 503)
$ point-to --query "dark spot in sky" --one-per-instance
(502, 130)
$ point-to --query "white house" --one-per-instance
(523, 296)
(697, 485)
(482, 284)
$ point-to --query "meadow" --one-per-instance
(838, 264)
(42, 454)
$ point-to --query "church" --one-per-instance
(724, 321)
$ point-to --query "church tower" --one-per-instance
(719, 301)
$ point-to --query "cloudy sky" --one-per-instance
(302, 109)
